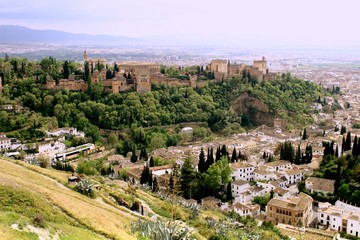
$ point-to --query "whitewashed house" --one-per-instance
(342, 217)
(280, 165)
(242, 171)
(5, 142)
(261, 174)
(246, 209)
(239, 186)
(293, 175)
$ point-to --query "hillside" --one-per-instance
(37, 203)
(26, 194)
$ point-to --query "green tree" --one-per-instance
(66, 70)
(218, 176)
(305, 136)
(157, 141)
(151, 162)
(145, 175)
(229, 196)
(234, 156)
(202, 162)
(143, 154)
(343, 130)
(297, 159)
(113, 139)
(348, 142)
(186, 177)
(134, 157)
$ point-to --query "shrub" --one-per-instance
(43, 161)
(39, 220)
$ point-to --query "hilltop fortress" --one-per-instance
(141, 75)
(223, 69)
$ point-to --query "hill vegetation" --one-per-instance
(287, 97)
(36, 202)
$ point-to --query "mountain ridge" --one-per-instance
(21, 34)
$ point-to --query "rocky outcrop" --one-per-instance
(258, 112)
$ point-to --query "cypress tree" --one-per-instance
(343, 144)
(297, 159)
(338, 177)
(66, 72)
(233, 156)
(229, 196)
(145, 174)
(218, 153)
(240, 156)
(348, 141)
(155, 186)
(143, 154)
(152, 163)
(305, 136)
(355, 147)
(224, 151)
(202, 163)
(212, 160)
(308, 154)
(150, 179)
(133, 158)
(343, 130)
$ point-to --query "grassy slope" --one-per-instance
(40, 193)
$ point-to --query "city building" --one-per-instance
(246, 209)
(242, 171)
(224, 69)
(320, 185)
(5, 142)
(342, 217)
(296, 211)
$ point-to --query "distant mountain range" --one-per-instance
(19, 34)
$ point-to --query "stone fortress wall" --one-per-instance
(141, 75)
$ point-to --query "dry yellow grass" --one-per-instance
(57, 175)
(100, 217)
(304, 236)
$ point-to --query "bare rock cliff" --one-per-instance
(258, 112)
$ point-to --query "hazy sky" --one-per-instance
(268, 22)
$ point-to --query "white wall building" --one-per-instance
(280, 165)
(261, 174)
(293, 175)
(341, 217)
(5, 143)
(244, 197)
(242, 171)
(246, 209)
(63, 131)
(239, 186)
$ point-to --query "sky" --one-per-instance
(321, 23)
